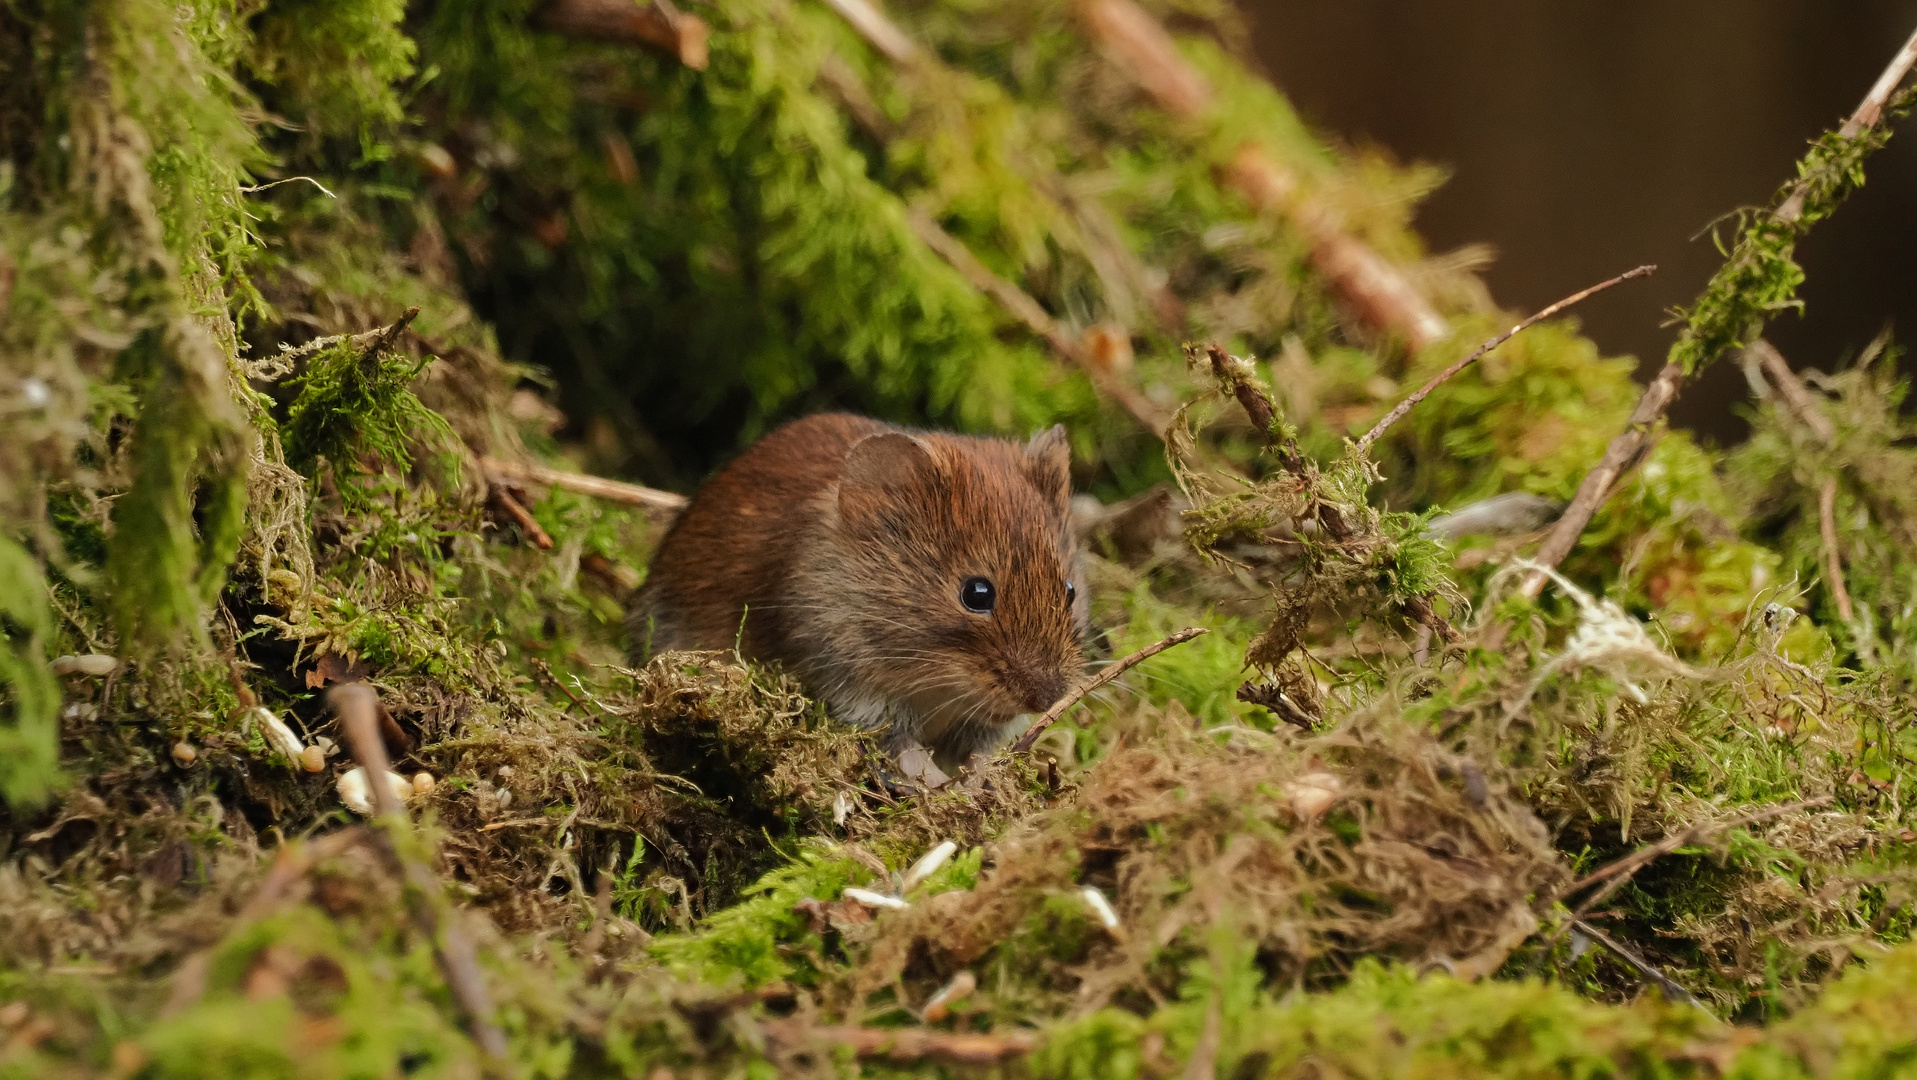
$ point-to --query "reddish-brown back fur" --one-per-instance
(837, 545)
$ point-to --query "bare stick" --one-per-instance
(1424, 391)
(1203, 1063)
(1619, 871)
(1377, 292)
(1072, 698)
(902, 1044)
(1279, 703)
(597, 486)
(601, 914)
(1630, 442)
(357, 706)
(511, 509)
(878, 31)
(1797, 397)
(1620, 455)
(1673, 990)
(1149, 55)
(374, 341)
(1867, 113)
(1802, 404)
(658, 26)
(1833, 555)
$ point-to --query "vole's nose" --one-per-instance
(1041, 690)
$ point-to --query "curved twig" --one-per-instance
(1424, 391)
(1060, 706)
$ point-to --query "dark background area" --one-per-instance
(1589, 137)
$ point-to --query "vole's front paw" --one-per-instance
(912, 771)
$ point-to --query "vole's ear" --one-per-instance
(879, 471)
(1049, 457)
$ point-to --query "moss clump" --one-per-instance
(1780, 476)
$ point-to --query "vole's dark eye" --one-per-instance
(1071, 594)
(977, 594)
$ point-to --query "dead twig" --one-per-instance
(382, 339)
(1673, 990)
(1797, 397)
(512, 510)
(895, 45)
(1376, 291)
(1424, 391)
(1617, 872)
(1629, 443)
(1867, 113)
(1072, 698)
(1833, 554)
(601, 914)
(658, 26)
(357, 707)
(1621, 454)
(1203, 1064)
(878, 31)
(900, 1044)
(582, 484)
(1279, 703)
(547, 676)
(1802, 404)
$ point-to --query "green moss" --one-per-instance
(355, 403)
(29, 695)
(762, 938)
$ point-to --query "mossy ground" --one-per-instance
(229, 467)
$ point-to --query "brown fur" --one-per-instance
(837, 545)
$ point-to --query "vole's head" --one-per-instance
(962, 592)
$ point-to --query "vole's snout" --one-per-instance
(1036, 690)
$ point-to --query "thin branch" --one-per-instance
(1377, 291)
(1149, 55)
(1867, 113)
(1802, 404)
(1424, 391)
(1797, 397)
(1673, 990)
(878, 31)
(1620, 455)
(596, 486)
(1203, 1063)
(357, 706)
(658, 26)
(1620, 871)
(1629, 443)
(1072, 698)
(901, 1044)
(377, 341)
(1279, 703)
(514, 511)
(885, 36)
(1833, 555)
